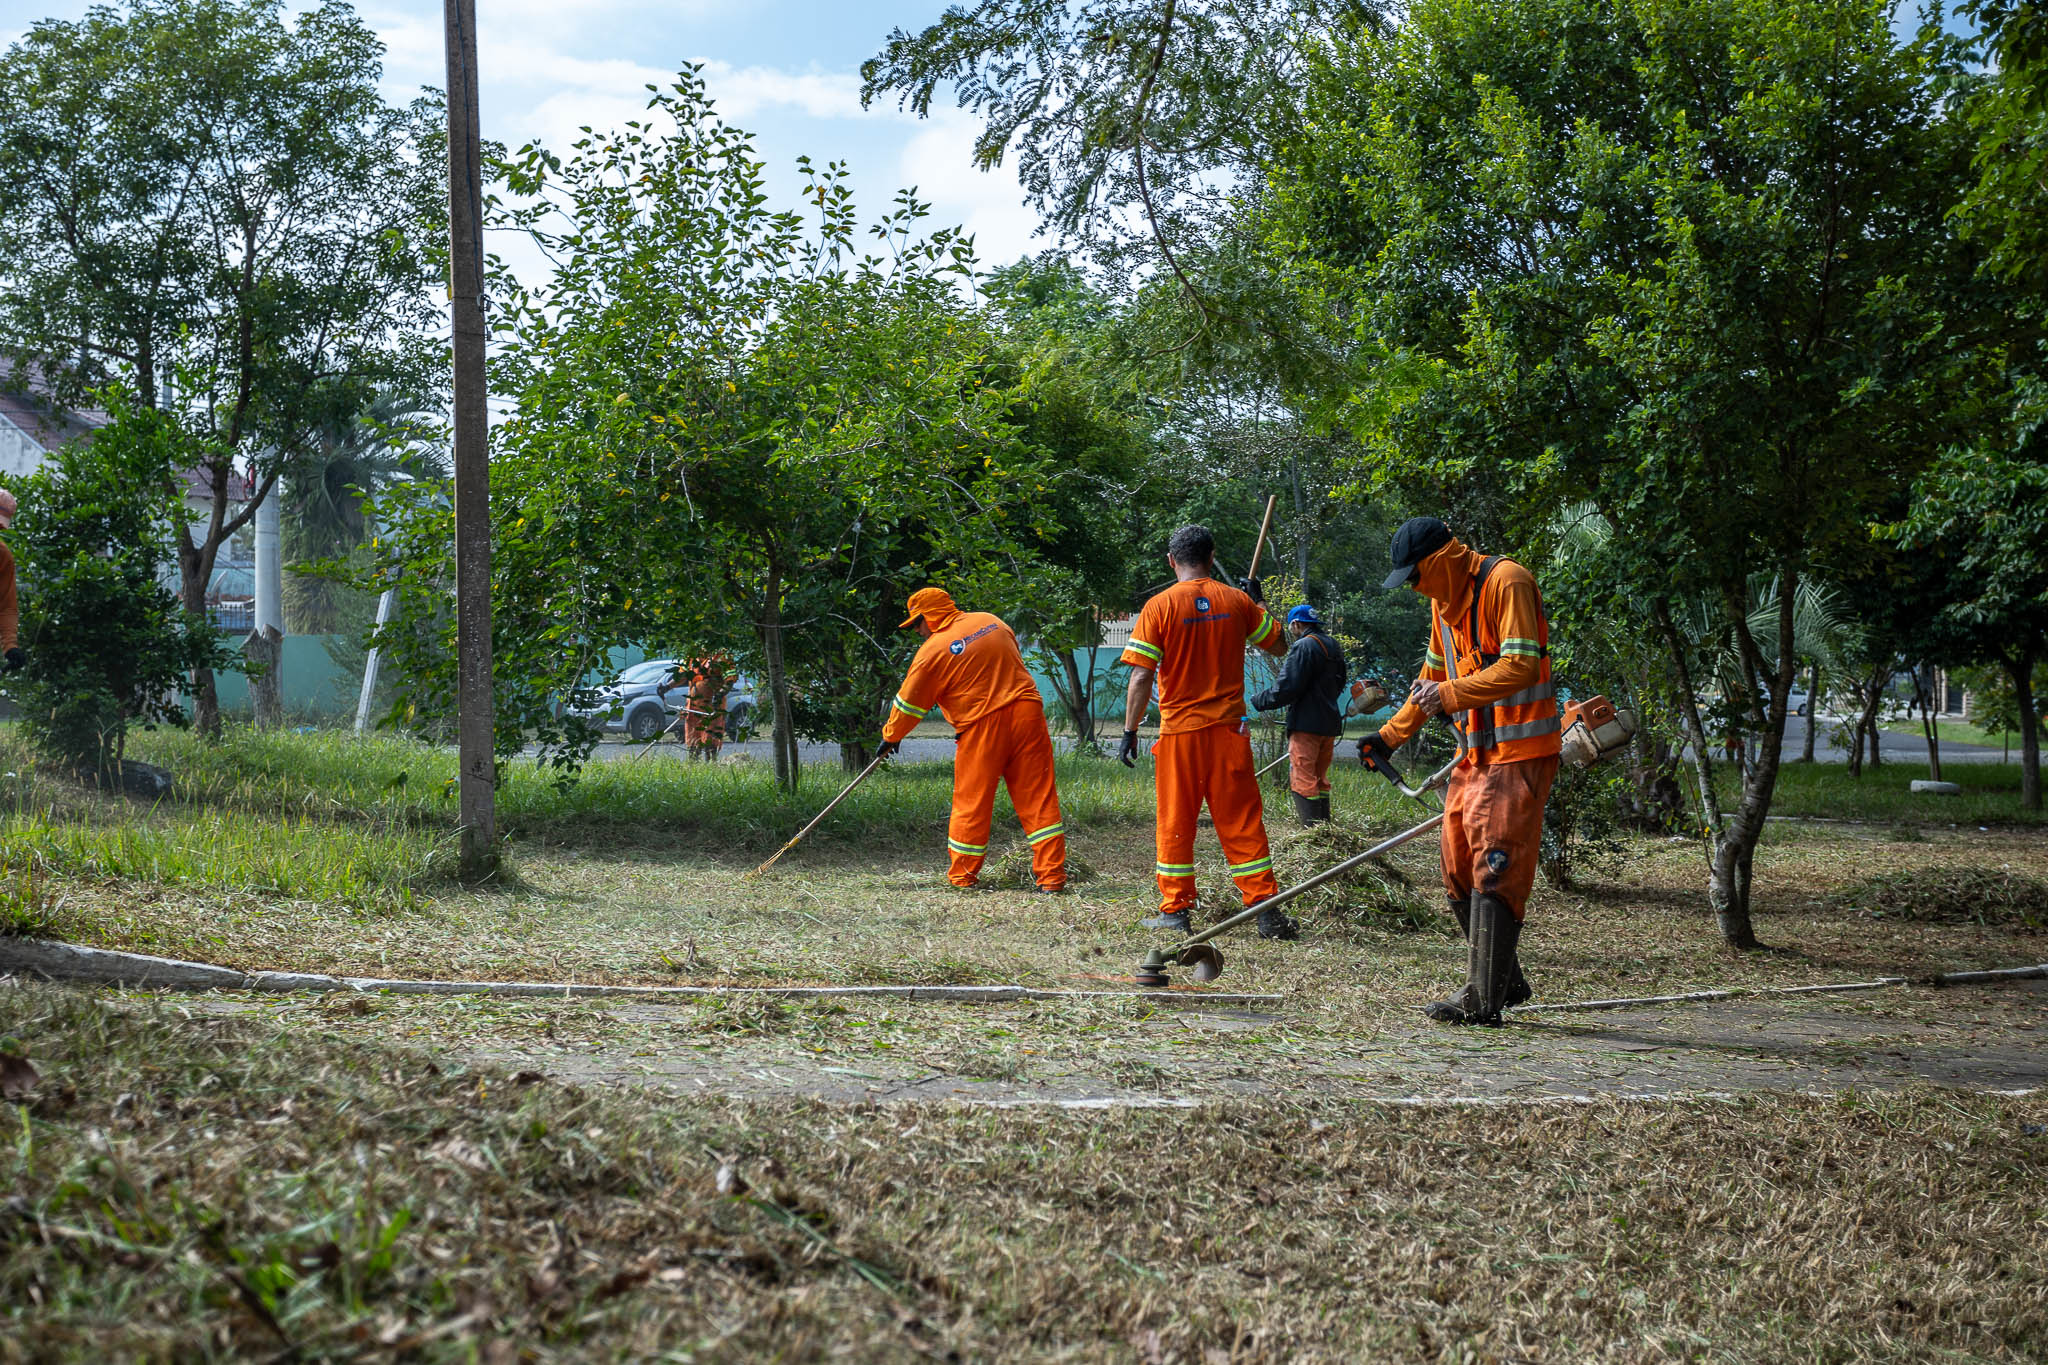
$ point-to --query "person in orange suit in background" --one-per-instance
(708, 680)
(1487, 672)
(1192, 637)
(970, 667)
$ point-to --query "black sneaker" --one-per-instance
(1170, 919)
(1275, 923)
(1059, 890)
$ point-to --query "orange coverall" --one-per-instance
(971, 667)
(1493, 809)
(1193, 636)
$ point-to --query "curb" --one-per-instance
(1983, 978)
(48, 961)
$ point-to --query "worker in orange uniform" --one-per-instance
(11, 655)
(1193, 636)
(1488, 672)
(969, 665)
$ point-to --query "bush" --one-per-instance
(108, 642)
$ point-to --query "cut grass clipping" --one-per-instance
(186, 1188)
(1377, 894)
(1994, 897)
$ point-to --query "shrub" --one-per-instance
(107, 641)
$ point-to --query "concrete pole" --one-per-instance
(265, 646)
(372, 662)
(477, 795)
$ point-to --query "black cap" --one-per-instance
(1417, 540)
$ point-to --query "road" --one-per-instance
(1891, 748)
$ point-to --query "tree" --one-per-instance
(106, 641)
(218, 206)
(326, 504)
(732, 429)
(1685, 262)
(1985, 512)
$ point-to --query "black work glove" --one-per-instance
(1263, 702)
(15, 659)
(889, 748)
(1127, 752)
(1374, 751)
(1253, 590)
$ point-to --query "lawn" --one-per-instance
(1957, 732)
(443, 1178)
(1884, 794)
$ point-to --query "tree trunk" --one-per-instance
(1082, 707)
(1923, 689)
(194, 569)
(265, 650)
(854, 756)
(1812, 713)
(783, 714)
(2020, 669)
(1300, 525)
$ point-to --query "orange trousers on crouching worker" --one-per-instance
(1212, 765)
(1011, 746)
(1493, 829)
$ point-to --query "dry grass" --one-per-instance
(195, 1187)
(1952, 895)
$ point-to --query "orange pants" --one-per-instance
(1012, 746)
(1493, 829)
(1213, 765)
(1308, 762)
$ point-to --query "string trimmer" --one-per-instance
(1200, 955)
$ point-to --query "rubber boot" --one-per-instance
(1491, 934)
(1305, 811)
(1171, 919)
(1322, 805)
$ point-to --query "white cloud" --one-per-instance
(938, 161)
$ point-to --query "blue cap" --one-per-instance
(1304, 612)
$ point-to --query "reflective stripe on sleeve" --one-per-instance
(1267, 625)
(1516, 644)
(1139, 647)
(914, 712)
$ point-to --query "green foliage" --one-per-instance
(735, 429)
(212, 202)
(107, 642)
(2008, 206)
(1688, 263)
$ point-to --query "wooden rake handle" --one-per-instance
(1259, 546)
(798, 836)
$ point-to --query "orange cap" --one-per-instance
(929, 602)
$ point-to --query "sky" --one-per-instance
(787, 71)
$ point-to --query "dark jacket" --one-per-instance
(1311, 681)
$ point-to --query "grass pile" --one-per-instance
(185, 1186)
(1010, 870)
(1992, 896)
(1396, 891)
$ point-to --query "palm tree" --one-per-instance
(326, 511)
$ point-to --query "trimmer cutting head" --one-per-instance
(1204, 959)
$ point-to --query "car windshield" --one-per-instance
(647, 672)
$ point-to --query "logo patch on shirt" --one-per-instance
(957, 647)
(1201, 604)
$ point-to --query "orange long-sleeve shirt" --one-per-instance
(1511, 619)
(970, 667)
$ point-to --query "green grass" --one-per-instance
(1957, 732)
(1883, 795)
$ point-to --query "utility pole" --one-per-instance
(478, 776)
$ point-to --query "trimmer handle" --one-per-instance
(1385, 768)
